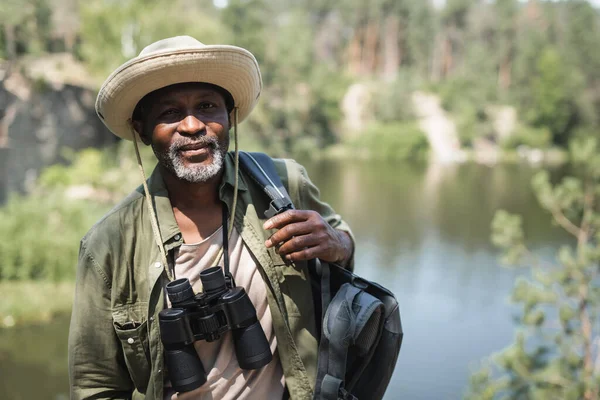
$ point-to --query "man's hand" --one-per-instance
(186, 395)
(304, 234)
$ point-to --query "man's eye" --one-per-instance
(168, 112)
(204, 106)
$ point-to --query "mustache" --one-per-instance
(207, 141)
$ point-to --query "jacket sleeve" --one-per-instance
(306, 196)
(97, 368)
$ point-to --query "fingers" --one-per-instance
(288, 232)
(187, 395)
(298, 243)
(307, 254)
(287, 217)
(302, 235)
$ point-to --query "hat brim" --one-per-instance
(232, 68)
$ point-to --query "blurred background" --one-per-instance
(456, 137)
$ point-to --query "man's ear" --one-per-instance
(139, 128)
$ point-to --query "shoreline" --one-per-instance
(523, 154)
(34, 302)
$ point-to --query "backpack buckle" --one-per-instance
(346, 395)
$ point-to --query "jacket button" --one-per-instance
(177, 237)
(130, 340)
(157, 265)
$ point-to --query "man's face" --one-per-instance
(188, 128)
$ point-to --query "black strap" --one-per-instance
(349, 313)
(333, 388)
(286, 393)
(339, 328)
(228, 276)
(261, 169)
(322, 269)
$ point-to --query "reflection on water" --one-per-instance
(33, 362)
(423, 232)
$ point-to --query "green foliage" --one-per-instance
(393, 100)
(507, 234)
(581, 44)
(455, 12)
(40, 233)
(113, 172)
(466, 100)
(554, 355)
(540, 57)
(298, 115)
(525, 135)
(27, 302)
(24, 26)
(554, 88)
(247, 21)
(421, 30)
(128, 26)
(483, 386)
(392, 141)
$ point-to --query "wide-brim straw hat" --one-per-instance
(177, 60)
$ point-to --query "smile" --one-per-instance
(195, 150)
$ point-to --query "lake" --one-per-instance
(421, 231)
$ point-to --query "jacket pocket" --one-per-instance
(132, 330)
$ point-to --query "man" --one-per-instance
(182, 97)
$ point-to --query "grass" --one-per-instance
(30, 302)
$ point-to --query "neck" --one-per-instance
(187, 195)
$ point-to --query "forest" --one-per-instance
(538, 57)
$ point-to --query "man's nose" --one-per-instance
(191, 125)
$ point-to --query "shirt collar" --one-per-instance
(229, 175)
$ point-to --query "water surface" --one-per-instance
(421, 231)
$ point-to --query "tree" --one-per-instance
(452, 40)
(421, 31)
(24, 27)
(128, 26)
(553, 92)
(506, 32)
(556, 354)
(582, 38)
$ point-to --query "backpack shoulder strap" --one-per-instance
(261, 169)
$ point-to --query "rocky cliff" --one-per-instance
(46, 107)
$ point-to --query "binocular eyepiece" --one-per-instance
(206, 316)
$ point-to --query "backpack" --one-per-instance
(358, 320)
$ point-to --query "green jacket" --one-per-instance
(114, 340)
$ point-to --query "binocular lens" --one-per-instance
(185, 368)
(251, 347)
(213, 279)
(180, 290)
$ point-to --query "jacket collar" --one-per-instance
(169, 230)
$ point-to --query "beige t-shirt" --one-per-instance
(225, 379)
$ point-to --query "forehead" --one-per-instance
(182, 91)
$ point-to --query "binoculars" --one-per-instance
(207, 316)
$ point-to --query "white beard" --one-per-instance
(194, 173)
(198, 173)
